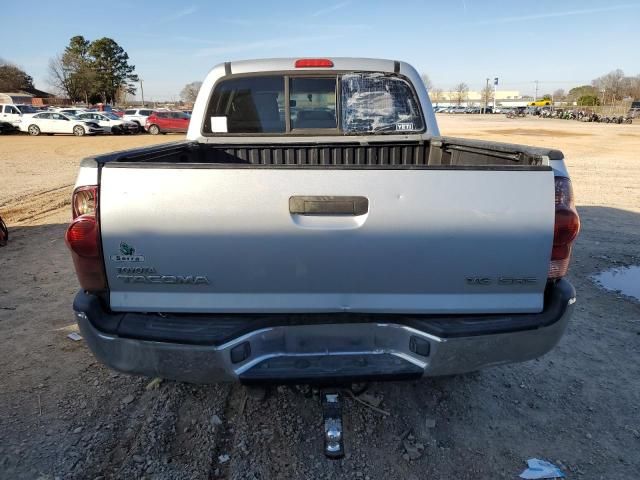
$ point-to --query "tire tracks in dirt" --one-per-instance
(31, 207)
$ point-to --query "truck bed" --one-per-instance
(438, 152)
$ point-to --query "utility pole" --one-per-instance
(535, 98)
(486, 96)
(141, 91)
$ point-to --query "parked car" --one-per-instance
(351, 244)
(138, 116)
(12, 115)
(54, 122)
(72, 111)
(110, 122)
(634, 110)
(165, 122)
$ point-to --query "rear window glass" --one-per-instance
(247, 105)
(355, 103)
(129, 112)
(313, 103)
(146, 112)
(375, 102)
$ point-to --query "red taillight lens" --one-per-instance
(83, 239)
(567, 226)
(313, 63)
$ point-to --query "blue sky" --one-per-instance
(560, 43)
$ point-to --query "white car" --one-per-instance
(138, 116)
(110, 122)
(54, 122)
(71, 110)
(11, 115)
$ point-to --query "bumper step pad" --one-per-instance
(331, 369)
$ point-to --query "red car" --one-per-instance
(164, 122)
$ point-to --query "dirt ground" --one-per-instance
(64, 416)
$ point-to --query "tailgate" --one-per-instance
(206, 238)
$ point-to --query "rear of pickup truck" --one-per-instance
(315, 227)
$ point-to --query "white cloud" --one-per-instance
(569, 13)
(179, 14)
(333, 8)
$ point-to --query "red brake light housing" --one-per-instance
(314, 63)
(567, 226)
(84, 241)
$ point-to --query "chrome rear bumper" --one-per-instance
(322, 352)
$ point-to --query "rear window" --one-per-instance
(351, 104)
(247, 105)
(130, 112)
(146, 113)
(313, 103)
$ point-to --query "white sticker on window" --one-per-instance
(219, 124)
(404, 126)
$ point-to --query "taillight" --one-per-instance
(83, 239)
(567, 226)
(313, 63)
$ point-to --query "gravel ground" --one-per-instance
(63, 415)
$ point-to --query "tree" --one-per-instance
(436, 95)
(581, 91)
(72, 72)
(612, 84)
(487, 95)
(13, 78)
(547, 96)
(427, 81)
(632, 87)
(110, 64)
(588, 101)
(190, 92)
(559, 95)
(93, 71)
(460, 92)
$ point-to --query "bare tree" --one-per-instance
(190, 92)
(436, 95)
(460, 93)
(487, 95)
(427, 81)
(559, 95)
(632, 87)
(612, 83)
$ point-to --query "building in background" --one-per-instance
(473, 98)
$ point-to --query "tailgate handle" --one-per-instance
(321, 205)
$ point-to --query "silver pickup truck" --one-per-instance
(315, 227)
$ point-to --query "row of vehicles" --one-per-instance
(463, 109)
(488, 109)
(82, 121)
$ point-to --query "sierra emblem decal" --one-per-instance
(127, 254)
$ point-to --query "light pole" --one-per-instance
(486, 96)
(535, 98)
(495, 87)
(141, 91)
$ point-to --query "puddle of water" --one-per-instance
(626, 280)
